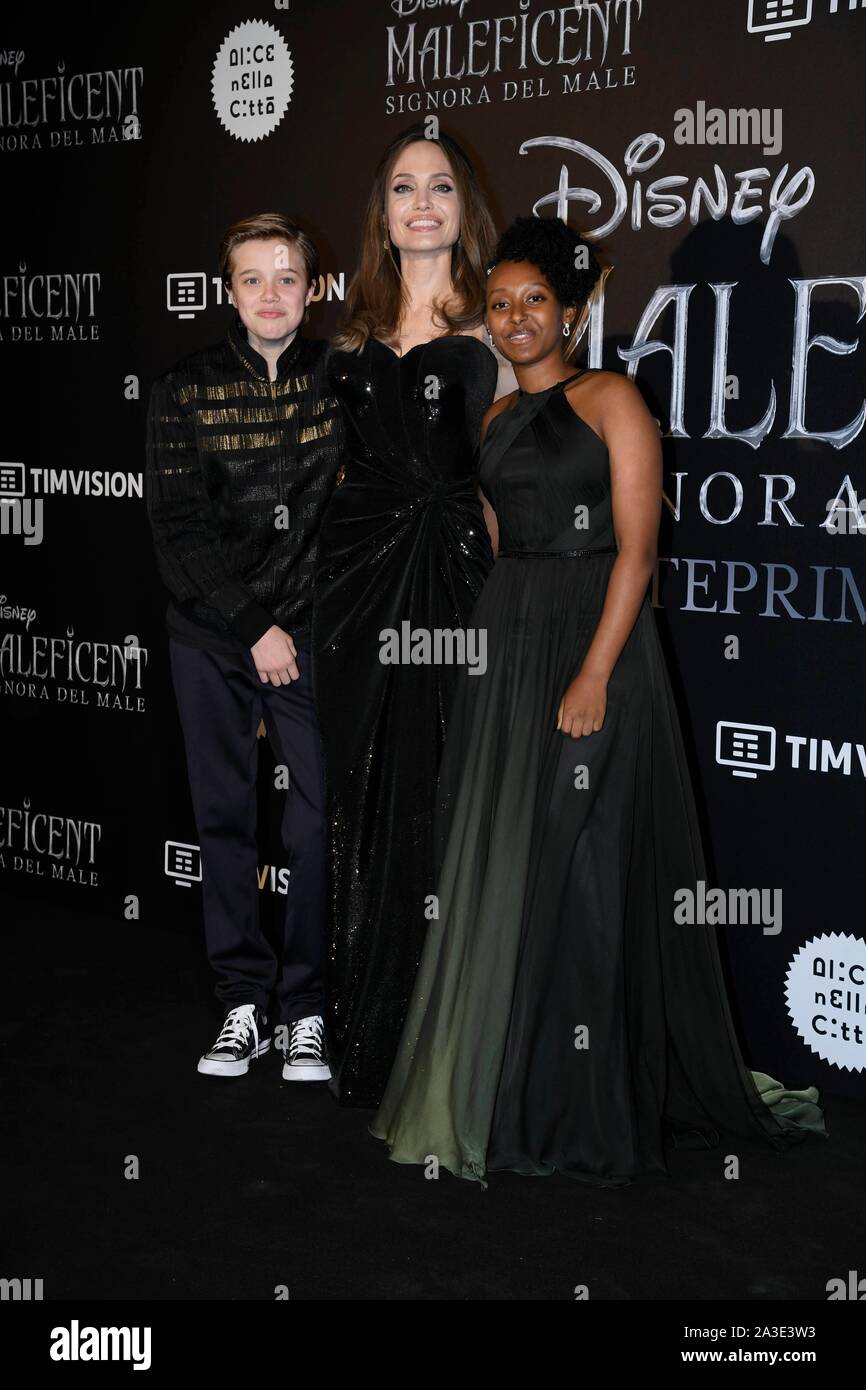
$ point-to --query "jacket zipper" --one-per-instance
(273, 386)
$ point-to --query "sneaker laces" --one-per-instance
(237, 1026)
(306, 1032)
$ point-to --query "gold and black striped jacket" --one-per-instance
(239, 470)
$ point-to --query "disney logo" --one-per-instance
(11, 58)
(405, 8)
(664, 207)
(16, 612)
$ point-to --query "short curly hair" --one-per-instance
(551, 245)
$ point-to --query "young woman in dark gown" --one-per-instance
(403, 541)
(561, 1019)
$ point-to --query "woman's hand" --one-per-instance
(582, 707)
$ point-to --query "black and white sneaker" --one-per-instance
(244, 1036)
(305, 1052)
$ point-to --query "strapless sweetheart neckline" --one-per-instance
(440, 338)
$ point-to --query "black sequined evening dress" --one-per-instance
(561, 1018)
(403, 542)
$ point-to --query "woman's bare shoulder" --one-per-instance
(599, 381)
(603, 391)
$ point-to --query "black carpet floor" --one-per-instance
(251, 1184)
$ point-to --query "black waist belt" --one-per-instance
(555, 554)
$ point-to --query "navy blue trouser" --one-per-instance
(220, 701)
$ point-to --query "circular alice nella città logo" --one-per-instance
(252, 80)
(826, 997)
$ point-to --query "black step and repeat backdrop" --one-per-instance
(710, 148)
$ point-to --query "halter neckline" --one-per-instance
(564, 382)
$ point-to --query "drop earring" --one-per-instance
(566, 329)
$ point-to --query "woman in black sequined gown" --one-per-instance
(403, 543)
